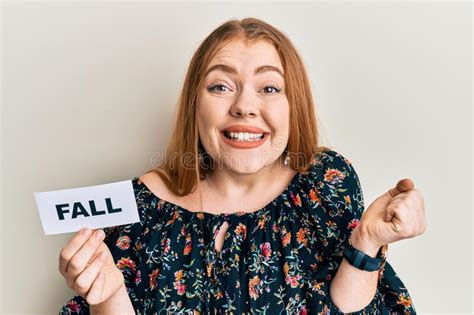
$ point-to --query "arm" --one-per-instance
(119, 303)
(353, 289)
(341, 287)
(397, 214)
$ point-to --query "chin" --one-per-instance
(245, 164)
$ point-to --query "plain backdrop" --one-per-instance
(89, 94)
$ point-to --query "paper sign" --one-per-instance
(99, 206)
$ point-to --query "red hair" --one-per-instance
(180, 168)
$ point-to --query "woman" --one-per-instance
(248, 212)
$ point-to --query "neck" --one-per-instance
(231, 185)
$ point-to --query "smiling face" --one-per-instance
(248, 90)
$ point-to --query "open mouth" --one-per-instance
(244, 137)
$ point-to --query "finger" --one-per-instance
(397, 200)
(84, 281)
(384, 200)
(402, 186)
(401, 205)
(390, 212)
(95, 294)
(72, 247)
(79, 261)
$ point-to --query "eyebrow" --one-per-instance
(231, 70)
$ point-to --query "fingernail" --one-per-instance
(98, 234)
(86, 231)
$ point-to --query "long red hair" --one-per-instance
(180, 167)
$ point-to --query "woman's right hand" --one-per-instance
(89, 268)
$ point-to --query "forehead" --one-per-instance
(247, 54)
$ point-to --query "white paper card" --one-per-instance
(99, 206)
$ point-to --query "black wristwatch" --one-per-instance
(361, 260)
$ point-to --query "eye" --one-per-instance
(271, 86)
(213, 87)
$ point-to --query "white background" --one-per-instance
(89, 93)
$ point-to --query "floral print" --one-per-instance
(279, 259)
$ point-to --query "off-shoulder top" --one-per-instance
(279, 259)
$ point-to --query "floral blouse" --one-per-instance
(279, 259)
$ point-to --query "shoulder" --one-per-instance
(152, 181)
(154, 184)
(333, 175)
(331, 162)
(337, 184)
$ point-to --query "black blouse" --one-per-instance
(279, 259)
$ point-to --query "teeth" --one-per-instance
(244, 136)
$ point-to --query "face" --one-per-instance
(242, 93)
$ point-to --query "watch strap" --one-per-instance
(363, 261)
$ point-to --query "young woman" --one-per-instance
(247, 212)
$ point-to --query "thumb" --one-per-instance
(402, 186)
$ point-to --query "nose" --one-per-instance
(245, 105)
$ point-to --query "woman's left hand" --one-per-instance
(398, 214)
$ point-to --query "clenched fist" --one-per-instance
(88, 267)
(398, 214)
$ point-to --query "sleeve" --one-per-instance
(124, 242)
(343, 203)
